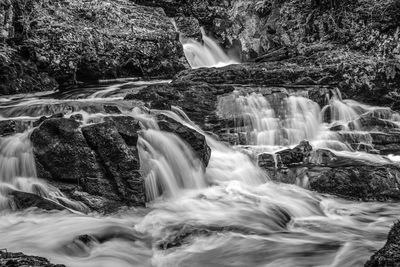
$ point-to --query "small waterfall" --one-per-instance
(298, 118)
(18, 173)
(169, 164)
(303, 121)
(205, 54)
(16, 157)
(339, 111)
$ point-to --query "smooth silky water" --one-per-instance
(229, 214)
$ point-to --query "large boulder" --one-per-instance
(96, 159)
(121, 163)
(59, 147)
(73, 41)
(98, 164)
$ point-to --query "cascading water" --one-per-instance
(254, 114)
(169, 163)
(206, 53)
(18, 173)
(229, 215)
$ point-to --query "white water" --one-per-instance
(169, 163)
(231, 215)
(206, 53)
(254, 115)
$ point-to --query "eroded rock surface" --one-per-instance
(99, 164)
(11, 259)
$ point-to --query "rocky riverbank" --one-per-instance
(47, 45)
(10, 259)
(302, 62)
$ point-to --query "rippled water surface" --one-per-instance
(231, 214)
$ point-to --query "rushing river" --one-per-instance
(229, 215)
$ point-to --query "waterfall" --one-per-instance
(16, 158)
(18, 173)
(202, 217)
(206, 53)
(169, 164)
(254, 115)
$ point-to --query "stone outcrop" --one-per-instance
(23, 200)
(327, 69)
(121, 163)
(11, 259)
(325, 172)
(74, 41)
(198, 100)
(98, 164)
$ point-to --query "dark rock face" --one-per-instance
(127, 127)
(11, 259)
(7, 127)
(359, 182)
(116, 40)
(198, 100)
(59, 147)
(10, 127)
(299, 154)
(196, 140)
(389, 255)
(23, 200)
(298, 73)
(99, 164)
(96, 158)
(325, 172)
(121, 163)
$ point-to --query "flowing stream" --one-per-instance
(206, 53)
(230, 214)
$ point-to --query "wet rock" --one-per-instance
(298, 72)
(23, 200)
(297, 155)
(389, 255)
(195, 139)
(268, 161)
(120, 162)
(323, 157)
(386, 142)
(7, 127)
(188, 27)
(60, 147)
(127, 127)
(112, 109)
(325, 172)
(95, 202)
(143, 44)
(272, 73)
(364, 182)
(80, 246)
(43, 118)
(101, 161)
(198, 100)
(371, 123)
(13, 259)
(77, 117)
